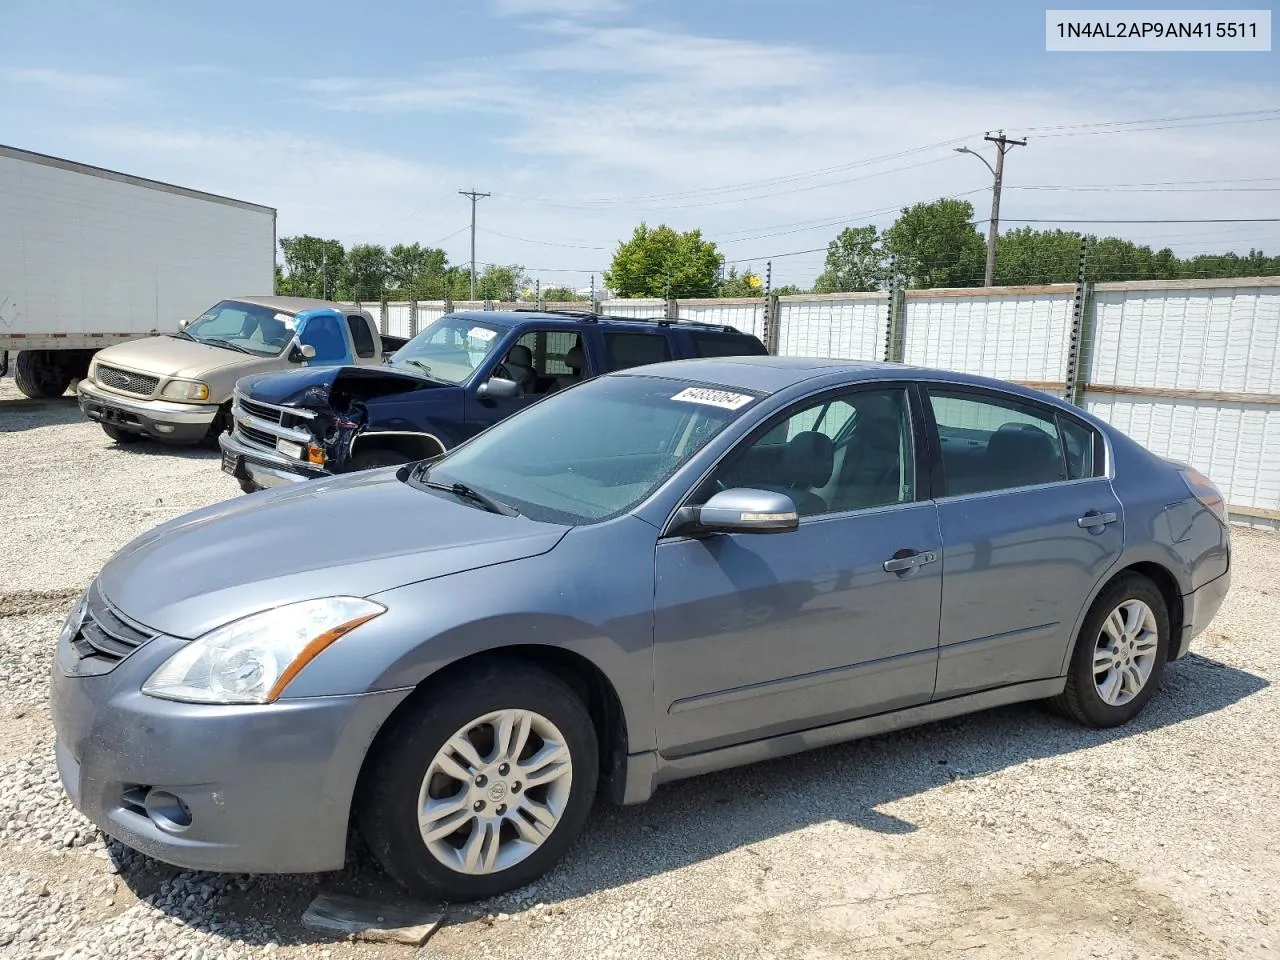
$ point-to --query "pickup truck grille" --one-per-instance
(139, 384)
(105, 634)
(262, 424)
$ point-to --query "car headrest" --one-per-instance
(1026, 450)
(574, 357)
(881, 434)
(520, 355)
(808, 460)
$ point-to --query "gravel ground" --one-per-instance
(1009, 834)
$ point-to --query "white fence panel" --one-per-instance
(849, 326)
(745, 315)
(429, 312)
(1236, 445)
(1187, 336)
(636, 308)
(1011, 333)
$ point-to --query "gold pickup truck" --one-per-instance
(178, 388)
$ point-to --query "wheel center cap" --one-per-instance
(497, 792)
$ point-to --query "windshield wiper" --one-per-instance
(183, 335)
(228, 344)
(417, 363)
(466, 493)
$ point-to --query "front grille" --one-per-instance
(139, 384)
(258, 437)
(105, 633)
(260, 410)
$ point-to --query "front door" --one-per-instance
(1030, 525)
(326, 334)
(764, 634)
(536, 363)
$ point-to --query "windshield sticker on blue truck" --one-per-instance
(480, 333)
(713, 398)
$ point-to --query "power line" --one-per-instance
(1045, 130)
(1155, 220)
(541, 243)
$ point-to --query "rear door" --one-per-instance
(1029, 524)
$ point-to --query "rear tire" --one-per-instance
(372, 459)
(1119, 656)
(407, 772)
(39, 375)
(119, 435)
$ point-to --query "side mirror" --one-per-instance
(741, 510)
(496, 388)
(301, 351)
(183, 324)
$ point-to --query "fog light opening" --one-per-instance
(167, 811)
(165, 427)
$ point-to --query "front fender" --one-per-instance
(591, 595)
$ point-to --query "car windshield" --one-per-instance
(594, 451)
(246, 327)
(449, 350)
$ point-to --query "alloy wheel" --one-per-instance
(1125, 652)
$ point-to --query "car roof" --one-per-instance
(510, 318)
(290, 304)
(772, 374)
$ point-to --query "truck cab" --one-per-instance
(463, 373)
(178, 388)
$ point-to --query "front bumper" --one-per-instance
(157, 419)
(262, 468)
(268, 788)
(1198, 609)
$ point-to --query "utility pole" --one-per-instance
(474, 197)
(1003, 144)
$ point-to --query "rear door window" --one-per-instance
(626, 350)
(361, 335)
(706, 344)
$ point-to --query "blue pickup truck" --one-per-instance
(463, 373)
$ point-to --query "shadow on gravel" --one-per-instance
(154, 448)
(697, 819)
(23, 414)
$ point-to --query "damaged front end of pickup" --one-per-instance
(303, 424)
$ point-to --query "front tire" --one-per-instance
(119, 435)
(479, 786)
(373, 459)
(39, 375)
(1119, 656)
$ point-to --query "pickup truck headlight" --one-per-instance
(185, 390)
(253, 659)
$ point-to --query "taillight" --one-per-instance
(1202, 489)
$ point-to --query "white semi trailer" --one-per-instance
(90, 257)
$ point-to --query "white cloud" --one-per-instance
(82, 86)
(558, 7)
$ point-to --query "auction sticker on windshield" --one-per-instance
(713, 398)
(480, 333)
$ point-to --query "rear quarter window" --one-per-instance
(626, 350)
(361, 336)
(726, 345)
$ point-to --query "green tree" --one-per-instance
(741, 284)
(415, 272)
(495, 282)
(561, 295)
(936, 245)
(1037, 256)
(660, 262)
(788, 290)
(314, 267)
(367, 271)
(855, 261)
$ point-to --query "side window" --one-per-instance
(361, 336)
(539, 359)
(991, 443)
(726, 345)
(323, 333)
(851, 452)
(626, 350)
(1080, 443)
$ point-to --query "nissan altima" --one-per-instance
(658, 573)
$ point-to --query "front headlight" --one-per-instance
(185, 390)
(252, 660)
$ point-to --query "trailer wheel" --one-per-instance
(39, 375)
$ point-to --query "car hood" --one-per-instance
(172, 357)
(352, 535)
(315, 387)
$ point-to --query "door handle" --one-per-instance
(898, 564)
(1095, 519)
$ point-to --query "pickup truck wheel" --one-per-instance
(372, 459)
(40, 376)
(118, 435)
(218, 427)
(480, 785)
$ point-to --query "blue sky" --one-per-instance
(583, 117)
